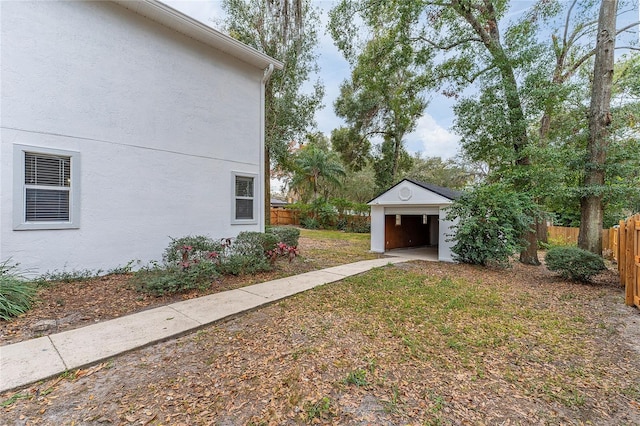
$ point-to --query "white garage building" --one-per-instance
(412, 214)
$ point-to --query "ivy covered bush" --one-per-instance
(490, 222)
(574, 263)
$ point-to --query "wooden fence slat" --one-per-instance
(622, 251)
(629, 262)
(625, 243)
(635, 283)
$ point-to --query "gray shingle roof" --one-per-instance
(451, 194)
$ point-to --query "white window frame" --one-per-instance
(20, 189)
(255, 199)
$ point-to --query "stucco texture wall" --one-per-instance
(161, 122)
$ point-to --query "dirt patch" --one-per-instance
(312, 359)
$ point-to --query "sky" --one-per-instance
(433, 136)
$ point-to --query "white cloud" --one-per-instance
(435, 140)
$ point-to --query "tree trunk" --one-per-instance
(542, 230)
(397, 149)
(529, 256)
(591, 207)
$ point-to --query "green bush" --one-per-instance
(239, 264)
(358, 224)
(324, 213)
(253, 243)
(16, 294)
(575, 263)
(159, 280)
(201, 246)
(491, 220)
(309, 223)
(193, 262)
(285, 234)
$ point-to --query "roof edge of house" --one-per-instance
(166, 15)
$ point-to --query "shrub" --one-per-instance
(491, 220)
(16, 294)
(193, 262)
(253, 244)
(358, 224)
(200, 247)
(309, 223)
(159, 280)
(575, 263)
(285, 234)
(239, 264)
(324, 213)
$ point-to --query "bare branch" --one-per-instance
(566, 23)
(623, 29)
(577, 64)
(628, 47)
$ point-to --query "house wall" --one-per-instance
(377, 229)
(160, 121)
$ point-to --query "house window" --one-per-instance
(46, 188)
(244, 203)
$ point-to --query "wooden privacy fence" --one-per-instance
(285, 217)
(563, 234)
(569, 236)
(624, 242)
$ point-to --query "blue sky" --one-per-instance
(432, 135)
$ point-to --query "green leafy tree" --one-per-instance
(458, 43)
(354, 150)
(447, 173)
(316, 170)
(382, 100)
(285, 30)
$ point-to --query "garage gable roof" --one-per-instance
(446, 193)
(451, 194)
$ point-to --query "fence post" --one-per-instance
(635, 282)
(629, 261)
(622, 251)
(613, 241)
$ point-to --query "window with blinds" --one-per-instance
(47, 184)
(244, 198)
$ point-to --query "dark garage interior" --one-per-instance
(402, 231)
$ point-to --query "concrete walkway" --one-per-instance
(38, 359)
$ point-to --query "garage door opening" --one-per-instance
(404, 231)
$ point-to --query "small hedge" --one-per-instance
(194, 262)
(574, 263)
(285, 234)
(200, 247)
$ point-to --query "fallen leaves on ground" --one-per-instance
(417, 343)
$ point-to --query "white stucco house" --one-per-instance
(412, 214)
(123, 123)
